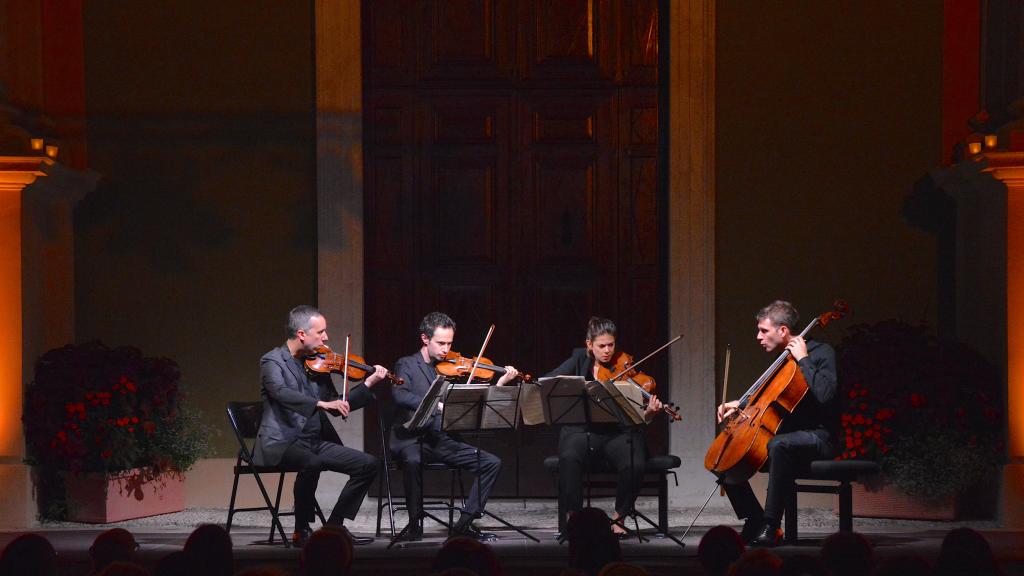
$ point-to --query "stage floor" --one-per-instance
(163, 534)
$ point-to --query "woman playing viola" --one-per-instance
(624, 449)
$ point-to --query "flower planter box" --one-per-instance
(100, 498)
(891, 502)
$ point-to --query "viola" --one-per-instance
(622, 368)
(324, 360)
(741, 449)
(455, 365)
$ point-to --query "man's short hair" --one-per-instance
(433, 321)
(781, 313)
(299, 318)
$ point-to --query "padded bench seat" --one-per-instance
(844, 472)
(660, 466)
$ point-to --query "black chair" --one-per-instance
(843, 472)
(656, 472)
(395, 504)
(245, 421)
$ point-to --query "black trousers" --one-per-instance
(440, 447)
(624, 450)
(312, 458)
(789, 455)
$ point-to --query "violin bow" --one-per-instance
(645, 358)
(725, 380)
(476, 361)
(344, 370)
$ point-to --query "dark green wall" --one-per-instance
(202, 233)
(827, 112)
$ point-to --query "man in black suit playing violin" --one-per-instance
(295, 432)
(412, 448)
(807, 434)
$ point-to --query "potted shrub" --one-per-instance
(928, 411)
(108, 435)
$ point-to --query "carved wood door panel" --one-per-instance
(511, 177)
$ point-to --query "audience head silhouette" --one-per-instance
(120, 568)
(28, 555)
(328, 553)
(757, 562)
(114, 545)
(174, 564)
(622, 569)
(592, 544)
(847, 554)
(803, 565)
(719, 548)
(902, 566)
(965, 551)
(209, 551)
(469, 554)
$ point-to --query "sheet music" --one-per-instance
(427, 406)
(627, 398)
(531, 403)
(501, 408)
(462, 406)
(558, 400)
(562, 399)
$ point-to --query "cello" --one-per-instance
(741, 449)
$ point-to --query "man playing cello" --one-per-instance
(807, 434)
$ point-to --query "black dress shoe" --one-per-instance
(751, 528)
(470, 531)
(358, 540)
(768, 537)
(413, 534)
(301, 536)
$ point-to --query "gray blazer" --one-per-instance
(288, 402)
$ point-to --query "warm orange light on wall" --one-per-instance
(16, 172)
(10, 320)
(1009, 167)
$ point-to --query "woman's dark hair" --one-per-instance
(598, 326)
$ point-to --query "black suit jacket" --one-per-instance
(579, 364)
(418, 376)
(288, 402)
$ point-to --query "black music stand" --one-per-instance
(473, 408)
(420, 423)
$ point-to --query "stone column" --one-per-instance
(691, 143)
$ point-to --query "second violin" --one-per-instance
(455, 366)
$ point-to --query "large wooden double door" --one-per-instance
(511, 177)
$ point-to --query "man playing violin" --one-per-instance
(295, 432)
(807, 434)
(412, 448)
(625, 449)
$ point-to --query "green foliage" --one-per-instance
(93, 409)
(929, 411)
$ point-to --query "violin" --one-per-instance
(455, 365)
(622, 368)
(324, 360)
(741, 449)
(621, 364)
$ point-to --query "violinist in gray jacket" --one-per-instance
(294, 431)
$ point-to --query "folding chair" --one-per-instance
(245, 421)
